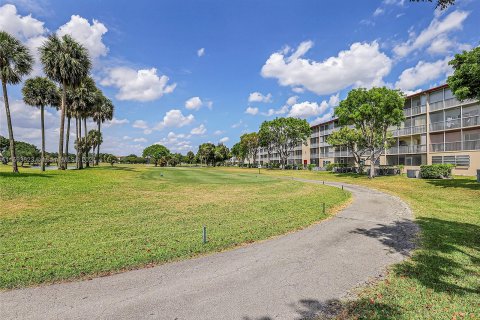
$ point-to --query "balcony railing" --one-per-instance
(471, 145)
(436, 106)
(415, 148)
(471, 121)
(447, 146)
(314, 145)
(451, 103)
(414, 111)
(409, 130)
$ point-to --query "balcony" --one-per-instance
(409, 131)
(471, 145)
(451, 103)
(434, 106)
(414, 148)
(447, 146)
(327, 155)
(414, 111)
(343, 153)
(445, 125)
(314, 145)
(471, 121)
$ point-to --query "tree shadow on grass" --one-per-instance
(337, 309)
(456, 183)
(11, 175)
(114, 168)
(435, 265)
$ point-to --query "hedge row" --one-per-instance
(436, 171)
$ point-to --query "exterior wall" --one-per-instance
(471, 170)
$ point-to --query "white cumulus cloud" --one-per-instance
(224, 140)
(140, 85)
(251, 110)
(22, 27)
(201, 52)
(199, 130)
(307, 109)
(422, 73)
(174, 118)
(437, 28)
(90, 35)
(194, 103)
(363, 64)
(258, 97)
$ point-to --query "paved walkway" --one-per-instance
(288, 277)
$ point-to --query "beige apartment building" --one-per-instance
(438, 129)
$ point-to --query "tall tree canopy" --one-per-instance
(288, 133)
(155, 152)
(41, 92)
(372, 112)
(206, 153)
(351, 138)
(465, 81)
(239, 152)
(250, 144)
(67, 62)
(15, 62)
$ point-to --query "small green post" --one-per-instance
(204, 234)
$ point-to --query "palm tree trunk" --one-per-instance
(98, 147)
(42, 159)
(79, 150)
(13, 154)
(85, 134)
(68, 139)
(60, 161)
(77, 162)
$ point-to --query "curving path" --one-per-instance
(289, 277)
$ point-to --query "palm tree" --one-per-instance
(82, 102)
(66, 62)
(94, 138)
(103, 112)
(15, 62)
(40, 92)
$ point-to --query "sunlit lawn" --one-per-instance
(442, 279)
(60, 225)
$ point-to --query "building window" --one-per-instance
(459, 161)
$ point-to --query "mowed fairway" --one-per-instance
(60, 225)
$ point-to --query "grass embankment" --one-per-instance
(442, 279)
(61, 225)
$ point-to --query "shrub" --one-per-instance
(311, 166)
(288, 167)
(331, 166)
(436, 171)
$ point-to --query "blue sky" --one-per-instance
(185, 72)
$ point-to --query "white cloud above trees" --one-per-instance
(363, 64)
(138, 85)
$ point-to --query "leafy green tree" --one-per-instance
(222, 153)
(372, 112)
(190, 157)
(250, 143)
(41, 92)
(465, 81)
(239, 152)
(288, 133)
(25, 152)
(66, 62)
(103, 111)
(110, 158)
(15, 62)
(266, 138)
(155, 153)
(175, 159)
(352, 139)
(206, 153)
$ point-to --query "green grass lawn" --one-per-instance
(60, 225)
(442, 279)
